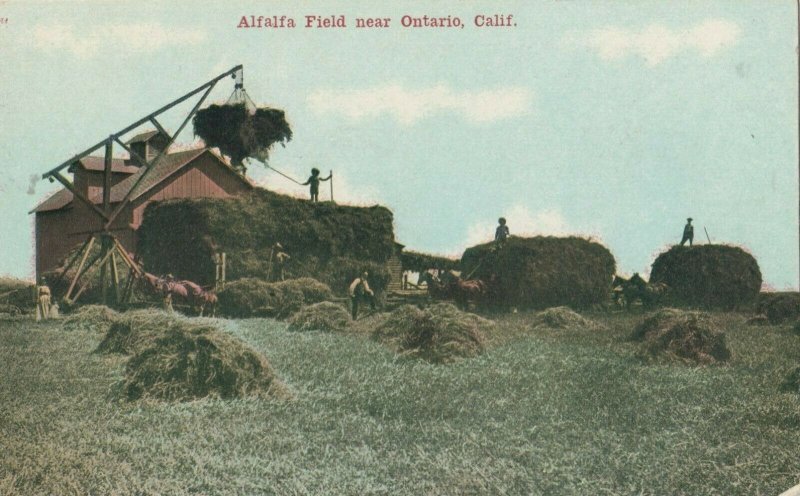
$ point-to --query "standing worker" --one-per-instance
(278, 261)
(314, 181)
(42, 300)
(501, 233)
(359, 289)
(688, 232)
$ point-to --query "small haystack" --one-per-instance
(562, 318)
(543, 271)
(16, 296)
(251, 297)
(189, 362)
(440, 333)
(758, 320)
(677, 335)
(134, 331)
(779, 307)
(709, 276)
(324, 316)
(94, 318)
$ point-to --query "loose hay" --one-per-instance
(543, 271)
(677, 335)
(562, 318)
(440, 333)
(779, 307)
(792, 381)
(324, 316)
(134, 331)
(95, 318)
(251, 297)
(16, 295)
(758, 320)
(196, 361)
(327, 242)
(709, 276)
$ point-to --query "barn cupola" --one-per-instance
(147, 145)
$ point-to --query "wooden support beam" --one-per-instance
(88, 249)
(127, 198)
(77, 194)
(114, 275)
(132, 153)
(73, 260)
(88, 273)
(125, 258)
(107, 176)
(158, 126)
(141, 121)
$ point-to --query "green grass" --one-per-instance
(571, 412)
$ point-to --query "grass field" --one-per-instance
(572, 412)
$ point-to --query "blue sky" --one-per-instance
(611, 119)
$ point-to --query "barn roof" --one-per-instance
(166, 166)
(99, 164)
(143, 137)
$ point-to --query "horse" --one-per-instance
(627, 291)
(199, 298)
(466, 292)
(436, 288)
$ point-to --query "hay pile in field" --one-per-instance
(543, 271)
(251, 297)
(562, 318)
(758, 320)
(324, 316)
(779, 307)
(238, 133)
(709, 276)
(196, 361)
(131, 332)
(95, 318)
(181, 236)
(677, 335)
(16, 295)
(440, 333)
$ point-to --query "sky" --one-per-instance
(614, 120)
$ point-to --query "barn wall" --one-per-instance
(204, 178)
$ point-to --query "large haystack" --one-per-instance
(779, 307)
(543, 271)
(325, 316)
(94, 318)
(709, 276)
(440, 333)
(677, 335)
(181, 236)
(562, 318)
(251, 297)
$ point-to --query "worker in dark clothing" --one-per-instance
(688, 232)
(314, 181)
(278, 261)
(359, 290)
(501, 233)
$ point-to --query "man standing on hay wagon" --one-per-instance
(359, 290)
(42, 300)
(688, 232)
(314, 181)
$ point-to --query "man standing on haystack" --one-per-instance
(688, 232)
(359, 290)
(314, 181)
(502, 232)
(42, 300)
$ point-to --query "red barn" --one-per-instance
(63, 222)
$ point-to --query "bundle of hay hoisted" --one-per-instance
(543, 271)
(709, 276)
(677, 335)
(251, 297)
(177, 359)
(440, 333)
(239, 133)
(323, 316)
(562, 318)
(332, 243)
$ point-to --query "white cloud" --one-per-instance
(408, 106)
(656, 43)
(86, 42)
